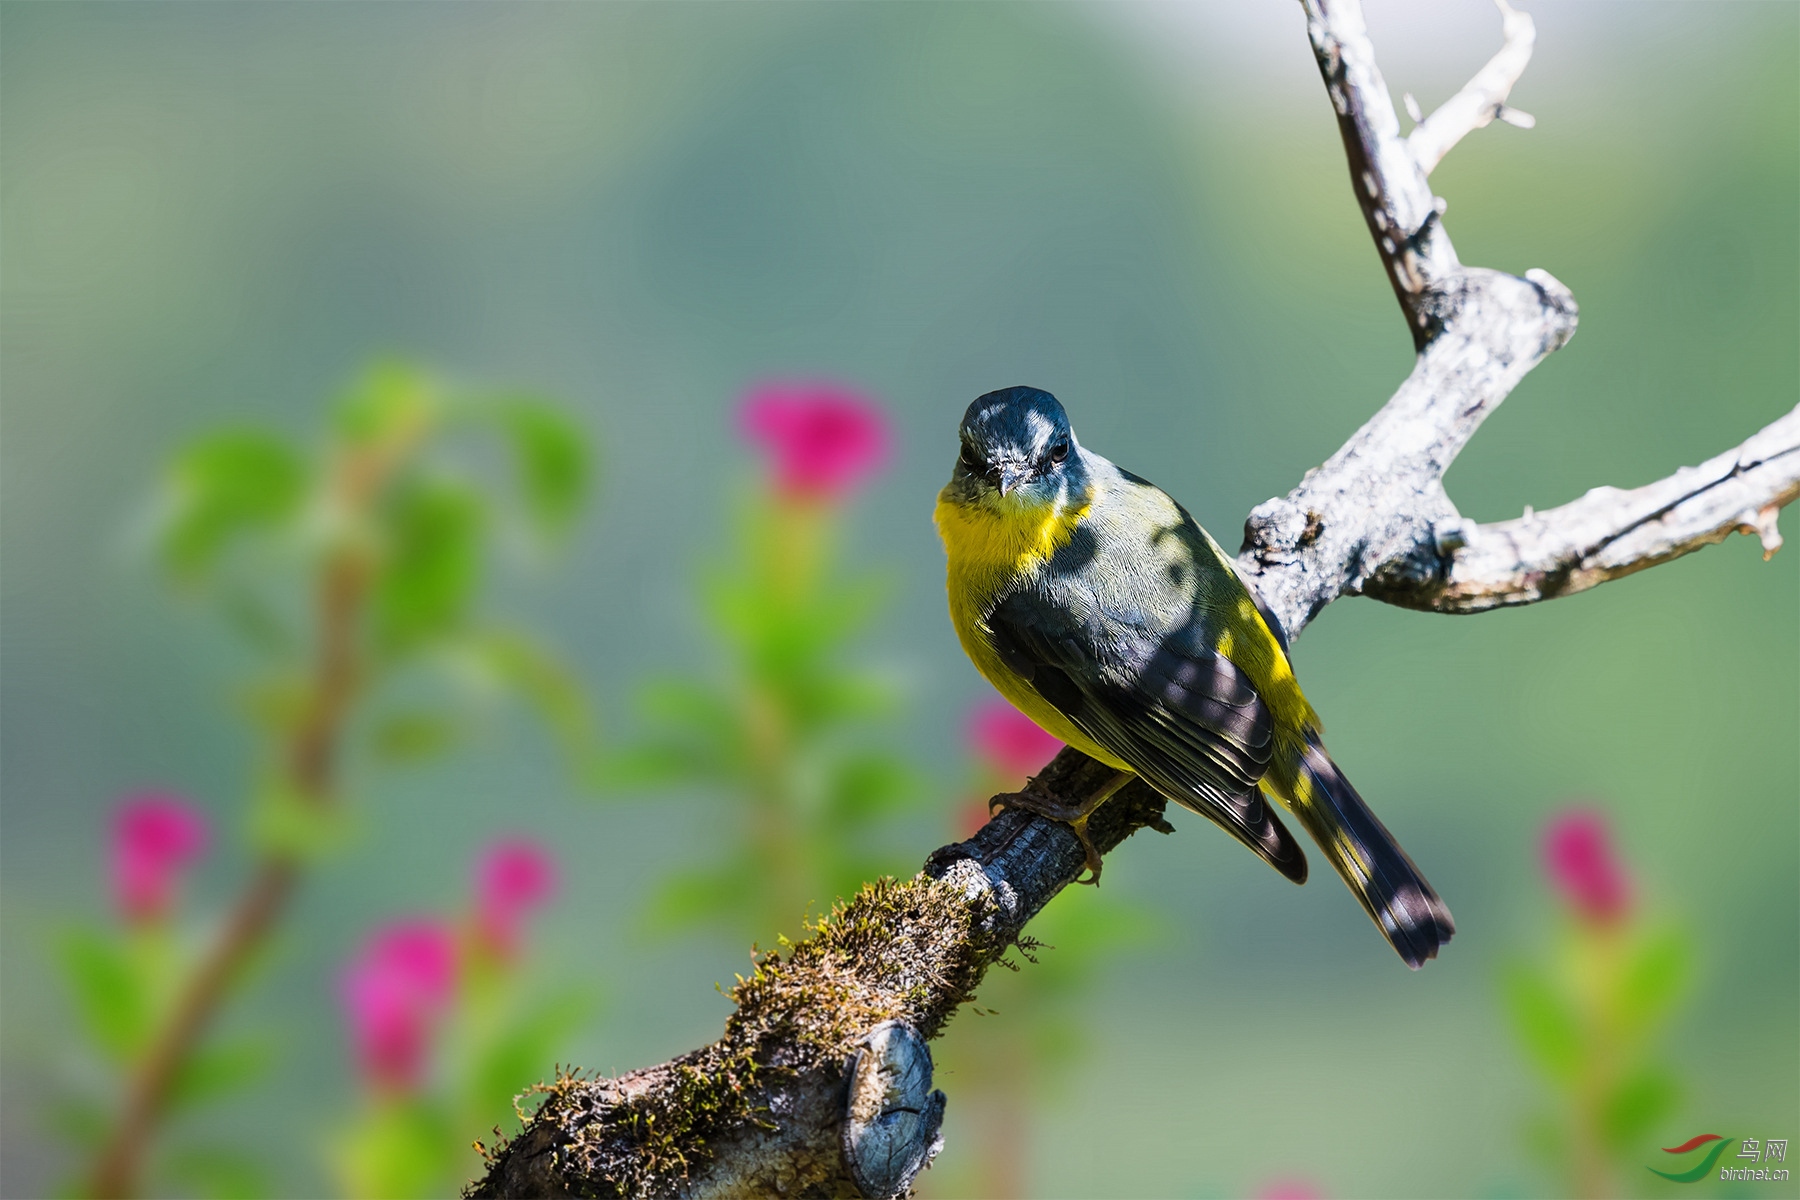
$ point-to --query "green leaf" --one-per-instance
(1653, 979)
(674, 701)
(1544, 1022)
(732, 605)
(697, 734)
(782, 634)
(857, 695)
(391, 402)
(222, 486)
(217, 1070)
(111, 994)
(552, 461)
(432, 565)
(287, 824)
(649, 764)
(413, 736)
(1635, 1106)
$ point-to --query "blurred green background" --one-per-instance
(215, 213)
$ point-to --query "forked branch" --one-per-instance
(1482, 99)
(1374, 519)
(1609, 533)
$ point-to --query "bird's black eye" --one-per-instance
(971, 459)
(1059, 452)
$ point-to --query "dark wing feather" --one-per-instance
(1183, 716)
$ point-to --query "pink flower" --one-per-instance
(395, 991)
(825, 439)
(155, 836)
(1008, 740)
(1578, 854)
(512, 878)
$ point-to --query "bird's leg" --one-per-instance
(1075, 816)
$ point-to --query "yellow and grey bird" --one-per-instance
(1102, 610)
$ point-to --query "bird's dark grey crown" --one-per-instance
(1014, 422)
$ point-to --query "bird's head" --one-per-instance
(1017, 444)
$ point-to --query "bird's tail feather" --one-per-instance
(1390, 887)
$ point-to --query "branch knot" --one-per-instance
(892, 1115)
(1276, 531)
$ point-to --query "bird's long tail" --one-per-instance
(1367, 856)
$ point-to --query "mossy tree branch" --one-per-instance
(811, 1092)
(769, 1109)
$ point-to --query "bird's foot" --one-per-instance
(1088, 848)
(1075, 816)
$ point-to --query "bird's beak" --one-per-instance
(1012, 476)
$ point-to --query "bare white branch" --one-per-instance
(1482, 99)
(1374, 519)
(1369, 520)
(1608, 532)
(1394, 194)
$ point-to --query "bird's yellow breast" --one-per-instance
(989, 547)
(991, 544)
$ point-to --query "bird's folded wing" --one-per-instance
(1182, 715)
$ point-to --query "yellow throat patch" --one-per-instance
(990, 545)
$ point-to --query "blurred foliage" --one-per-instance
(398, 505)
(122, 982)
(1588, 1014)
(355, 569)
(794, 732)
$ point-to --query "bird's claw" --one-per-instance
(1075, 816)
(1092, 851)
